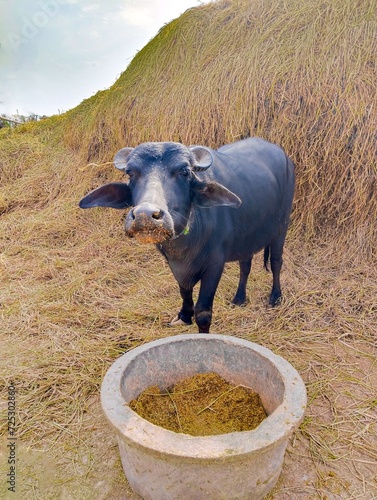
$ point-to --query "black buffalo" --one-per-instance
(205, 207)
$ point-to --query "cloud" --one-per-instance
(55, 53)
(90, 8)
(137, 17)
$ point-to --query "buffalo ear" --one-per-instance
(113, 195)
(120, 159)
(202, 158)
(213, 194)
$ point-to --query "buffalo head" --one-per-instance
(161, 186)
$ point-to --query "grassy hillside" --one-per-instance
(75, 293)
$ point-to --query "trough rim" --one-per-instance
(137, 431)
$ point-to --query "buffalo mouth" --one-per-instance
(147, 230)
(150, 236)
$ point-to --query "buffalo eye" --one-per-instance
(183, 170)
(131, 169)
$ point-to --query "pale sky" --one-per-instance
(55, 53)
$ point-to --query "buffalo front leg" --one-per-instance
(240, 297)
(203, 307)
(185, 315)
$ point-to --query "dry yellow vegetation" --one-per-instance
(75, 293)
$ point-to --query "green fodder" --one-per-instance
(301, 74)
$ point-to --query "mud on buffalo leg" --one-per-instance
(240, 297)
(186, 313)
(208, 287)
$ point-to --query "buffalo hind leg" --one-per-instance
(240, 297)
(203, 307)
(185, 315)
(276, 260)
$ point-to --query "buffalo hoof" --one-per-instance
(177, 321)
(275, 299)
(239, 302)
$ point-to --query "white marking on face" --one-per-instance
(155, 192)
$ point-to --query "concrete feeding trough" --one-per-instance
(160, 464)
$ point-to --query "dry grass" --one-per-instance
(75, 294)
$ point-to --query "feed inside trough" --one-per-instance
(202, 405)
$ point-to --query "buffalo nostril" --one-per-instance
(146, 211)
(157, 215)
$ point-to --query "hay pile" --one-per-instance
(75, 294)
(299, 73)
